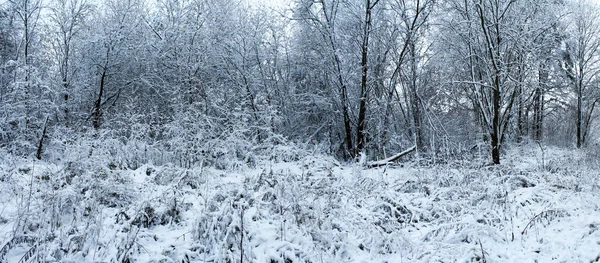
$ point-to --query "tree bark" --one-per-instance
(496, 121)
(520, 118)
(415, 100)
(40, 149)
(97, 115)
(362, 111)
(343, 90)
(493, 50)
(538, 103)
(579, 90)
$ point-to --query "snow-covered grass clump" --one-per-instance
(540, 205)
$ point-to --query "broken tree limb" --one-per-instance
(390, 159)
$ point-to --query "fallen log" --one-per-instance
(390, 159)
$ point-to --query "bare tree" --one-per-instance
(361, 133)
(28, 13)
(68, 17)
(413, 17)
(496, 41)
(581, 62)
(322, 15)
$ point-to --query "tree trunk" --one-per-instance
(493, 50)
(496, 121)
(415, 100)
(65, 80)
(343, 90)
(252, 103)
(578, 109)
(520, 119)
(97, 121)
(538, 103)
(40, 149)
(27, 65)
(362, 111)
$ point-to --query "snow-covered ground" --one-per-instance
(538, 206)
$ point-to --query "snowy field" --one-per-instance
(538, 206)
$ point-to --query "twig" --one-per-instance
(140, 245)
(129, 246)
(482, 252)
(183, 235)
(543, 155)
(532, 221)
(242, 236)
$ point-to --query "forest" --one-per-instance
(299, 131)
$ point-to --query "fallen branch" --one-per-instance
(390, 159)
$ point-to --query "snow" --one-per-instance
(529, 209)
(16, 253)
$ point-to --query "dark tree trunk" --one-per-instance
(27, 65)
(415, 100)
(40, 149)
(65, 80)
(362, 111)
(97, 115)
(579, 117)
(520, 118)
(343, 90)
(538, 104)
(252, 103)
(493, 43)
(495, 134)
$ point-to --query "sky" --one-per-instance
(281, 3)
(275, 4)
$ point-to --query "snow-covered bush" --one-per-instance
(300, 208)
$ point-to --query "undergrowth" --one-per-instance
(293, 207)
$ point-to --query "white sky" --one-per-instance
(266, 3)
(275, 4)
(278, 3)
